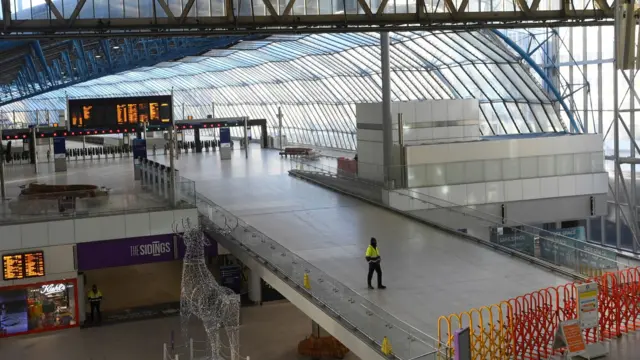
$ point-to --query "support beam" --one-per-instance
(54, 10)
(167, 10)
(37, 49)
(185, 11)
(76, 12)
(454, 17)
(387, 131)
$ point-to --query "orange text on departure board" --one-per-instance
(34, 264)
(13, 267)
(154, 112)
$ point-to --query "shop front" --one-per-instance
(138, 277)
(38, 307)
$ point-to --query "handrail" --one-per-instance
(322, 168)
(234, 227)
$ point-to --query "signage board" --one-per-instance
(576, 233)
(123, 252)
(12, 267)
(225, 135)
(231, 277)
(133, 251)
(23, 265)
(588, 305)
(114, 113)
(139, 148)
(59, 148)
(569, 336)
(462, 344)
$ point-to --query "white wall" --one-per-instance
(58, 264)
(507, 148)
(51, 233)
(499, 191)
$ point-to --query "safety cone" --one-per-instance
(386, 346)
(306, 283)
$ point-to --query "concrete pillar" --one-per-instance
(255, 287)
(387, 130)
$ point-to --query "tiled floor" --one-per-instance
(269, 332)
(429, 273)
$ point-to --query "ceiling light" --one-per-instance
(98, 56)
(116, 47)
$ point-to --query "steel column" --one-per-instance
(387, 127)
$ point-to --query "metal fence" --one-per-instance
(367, 320)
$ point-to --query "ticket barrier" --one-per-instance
(156, 177)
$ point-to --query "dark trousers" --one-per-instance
(95, 310)
(374, 266)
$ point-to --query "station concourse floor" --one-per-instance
(428, 272)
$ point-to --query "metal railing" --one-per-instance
(560, 250)
(364, 318)
(90, 203)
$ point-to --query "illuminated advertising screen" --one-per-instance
(114, 113)
(38, 307)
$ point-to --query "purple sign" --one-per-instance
(132, 251)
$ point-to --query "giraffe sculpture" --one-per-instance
(218, 307)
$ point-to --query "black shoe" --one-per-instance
(382, 287)
(370, 287)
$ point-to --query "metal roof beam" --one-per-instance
(37, 49)
(573, 13)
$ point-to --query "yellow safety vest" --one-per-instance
(95, 296)
(372, 252)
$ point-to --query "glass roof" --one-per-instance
(318, 79)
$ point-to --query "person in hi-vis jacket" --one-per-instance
(373, 258)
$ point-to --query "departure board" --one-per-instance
(18, 266)
(13, 266)
(116, 113)
(34, 264)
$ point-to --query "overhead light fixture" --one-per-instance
(116, 47)
(98, 56)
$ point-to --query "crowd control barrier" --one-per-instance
(524, 327)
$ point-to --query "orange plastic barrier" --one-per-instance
(524, 327)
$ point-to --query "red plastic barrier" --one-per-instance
(536, 315)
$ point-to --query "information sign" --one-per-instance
(588, 305)
(231, 277)
(569, 336)
(12, 267)
(18, 266)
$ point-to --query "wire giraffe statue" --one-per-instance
(218, 307)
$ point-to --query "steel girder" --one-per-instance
(298, 17)
(82, 60)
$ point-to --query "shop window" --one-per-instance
(38, 307)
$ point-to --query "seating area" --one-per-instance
(300, 151)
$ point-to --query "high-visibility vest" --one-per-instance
(372, 252)
(94, 296)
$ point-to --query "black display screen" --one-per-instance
(114, 113)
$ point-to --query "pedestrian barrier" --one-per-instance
(524, 327)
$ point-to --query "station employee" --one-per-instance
(95, 297)
(373, 258)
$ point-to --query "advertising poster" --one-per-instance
(232, 277)
(521, 242)
(14, 318)
(36, 308)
